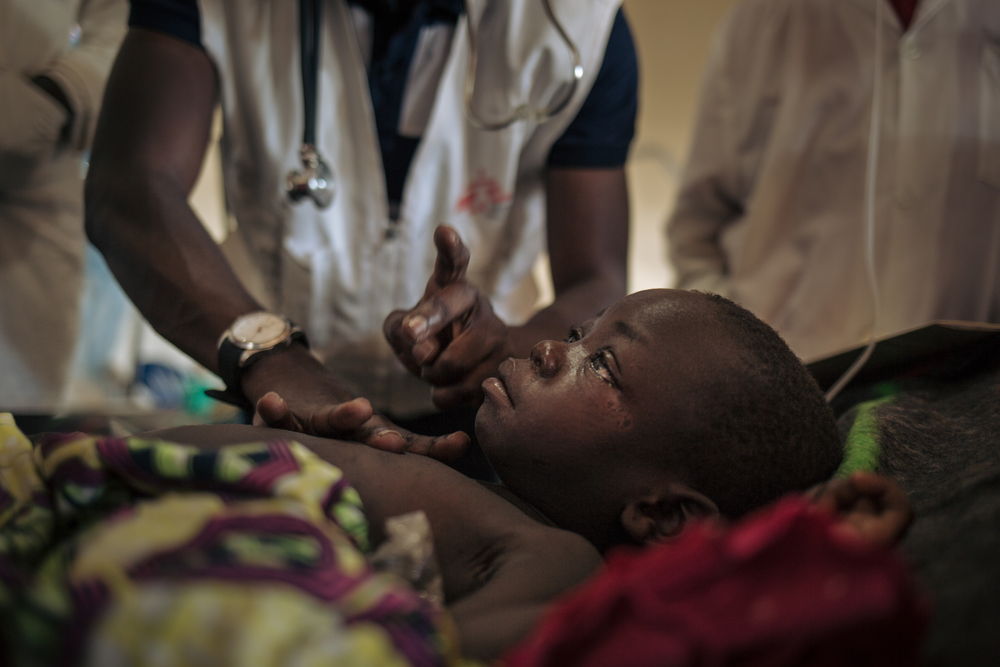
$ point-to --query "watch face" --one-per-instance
(259, 330)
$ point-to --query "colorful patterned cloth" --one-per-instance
(133, 551)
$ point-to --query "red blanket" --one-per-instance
(779, 588)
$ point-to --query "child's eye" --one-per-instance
(600, 362)
(575, 334)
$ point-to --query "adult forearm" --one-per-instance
(573, 305)
(587, 237)
(164, 258)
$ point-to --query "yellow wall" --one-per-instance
(208, 197)
(672, 37)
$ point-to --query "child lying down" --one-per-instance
(668, 408)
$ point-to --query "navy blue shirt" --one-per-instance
(599, 136)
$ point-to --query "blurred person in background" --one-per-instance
(771, 210)
(54, 60)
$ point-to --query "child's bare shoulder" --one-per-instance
(474, 529)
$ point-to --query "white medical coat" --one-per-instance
(771, 207)
(339, 272)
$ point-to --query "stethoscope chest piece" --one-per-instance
(313, 181)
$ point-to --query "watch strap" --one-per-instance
(227, 396)
(232, 363)
(229, 364)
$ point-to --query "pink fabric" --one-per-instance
(779, 588)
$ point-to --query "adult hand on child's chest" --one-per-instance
(294, 391)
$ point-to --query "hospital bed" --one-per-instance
(933, 398)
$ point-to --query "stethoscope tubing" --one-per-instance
(522, 111)
(314, 180)
(310, 14)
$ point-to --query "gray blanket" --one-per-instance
(940, 438)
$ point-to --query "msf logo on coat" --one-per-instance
(482, 196)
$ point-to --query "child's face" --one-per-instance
(578, 408)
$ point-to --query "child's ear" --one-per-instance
(659, 516)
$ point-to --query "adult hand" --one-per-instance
(869, 507)
(452, 338)
(293, 391)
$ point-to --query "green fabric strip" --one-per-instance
(861, 450)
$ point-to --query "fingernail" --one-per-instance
(417, 325)
(388, 432)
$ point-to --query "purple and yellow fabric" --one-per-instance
(132, 551)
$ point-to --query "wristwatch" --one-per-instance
(249, 338)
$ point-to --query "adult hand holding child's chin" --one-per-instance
(451, 338)
(294, 391)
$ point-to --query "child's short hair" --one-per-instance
(767, 429)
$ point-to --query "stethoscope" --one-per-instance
(314, 179)
(871, 182)
(521, 111)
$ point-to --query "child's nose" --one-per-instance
(545, 357)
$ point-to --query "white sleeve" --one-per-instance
(82, 71)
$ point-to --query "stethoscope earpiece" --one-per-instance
(313, 181)
(522, 112)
